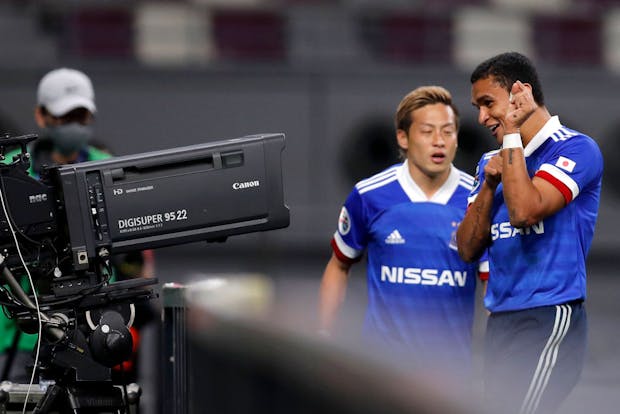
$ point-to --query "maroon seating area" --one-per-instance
(249, 34)
(420, 34)
(567, 40)
(99, 33)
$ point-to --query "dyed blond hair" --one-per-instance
(419, 98)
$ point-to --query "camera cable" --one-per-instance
(34, 293)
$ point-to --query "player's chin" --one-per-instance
(438, 169)
(440, 163)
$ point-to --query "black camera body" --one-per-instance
(70, 222)
(202, 192)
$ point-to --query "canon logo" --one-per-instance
(246, 184)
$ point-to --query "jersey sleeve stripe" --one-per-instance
(343, 251)
(376, 178)
(378, 184)
(490, 154)
(568, 193)
(567, 133)
(467, 185)
(467, 179)
(483, 266)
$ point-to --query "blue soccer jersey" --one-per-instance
(545, 264)
(420, 293)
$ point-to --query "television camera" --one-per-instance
(63, 228)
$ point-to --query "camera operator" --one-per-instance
(65, 113)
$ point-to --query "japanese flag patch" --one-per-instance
(565, 164)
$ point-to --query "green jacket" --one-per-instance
(8, 327)
(90, 154)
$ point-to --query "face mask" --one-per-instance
(69, 138)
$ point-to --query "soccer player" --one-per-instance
(420, 292)
(534, 208)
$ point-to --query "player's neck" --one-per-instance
(429, 184)
(534, 123)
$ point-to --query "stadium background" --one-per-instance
(328, 74)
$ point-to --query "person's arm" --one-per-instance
(148, 264)
(332, 292)
(474, 232)
(529, 200)
(472, 235)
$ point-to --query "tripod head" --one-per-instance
(86, 334)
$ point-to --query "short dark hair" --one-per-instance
(506, 69)
(80, 115)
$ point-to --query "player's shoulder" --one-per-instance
(488, 155)
(566, 140)
(379, 180)
(484, 159)
(564, 134)
(466, 181)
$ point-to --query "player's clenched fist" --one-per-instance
(493, 171)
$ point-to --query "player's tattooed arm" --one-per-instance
(474, 232)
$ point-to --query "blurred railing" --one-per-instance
(234, 350)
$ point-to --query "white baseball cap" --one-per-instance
(63, 90)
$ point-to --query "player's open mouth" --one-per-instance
(438, 157)
(493, 129)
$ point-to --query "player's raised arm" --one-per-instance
(529, 200)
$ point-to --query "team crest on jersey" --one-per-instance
(452, 244)
(476, 179)
(344, 222)
(566, 164)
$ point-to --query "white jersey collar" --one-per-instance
(415, 193)
(551, 126)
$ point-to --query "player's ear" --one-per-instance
(402, 139)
